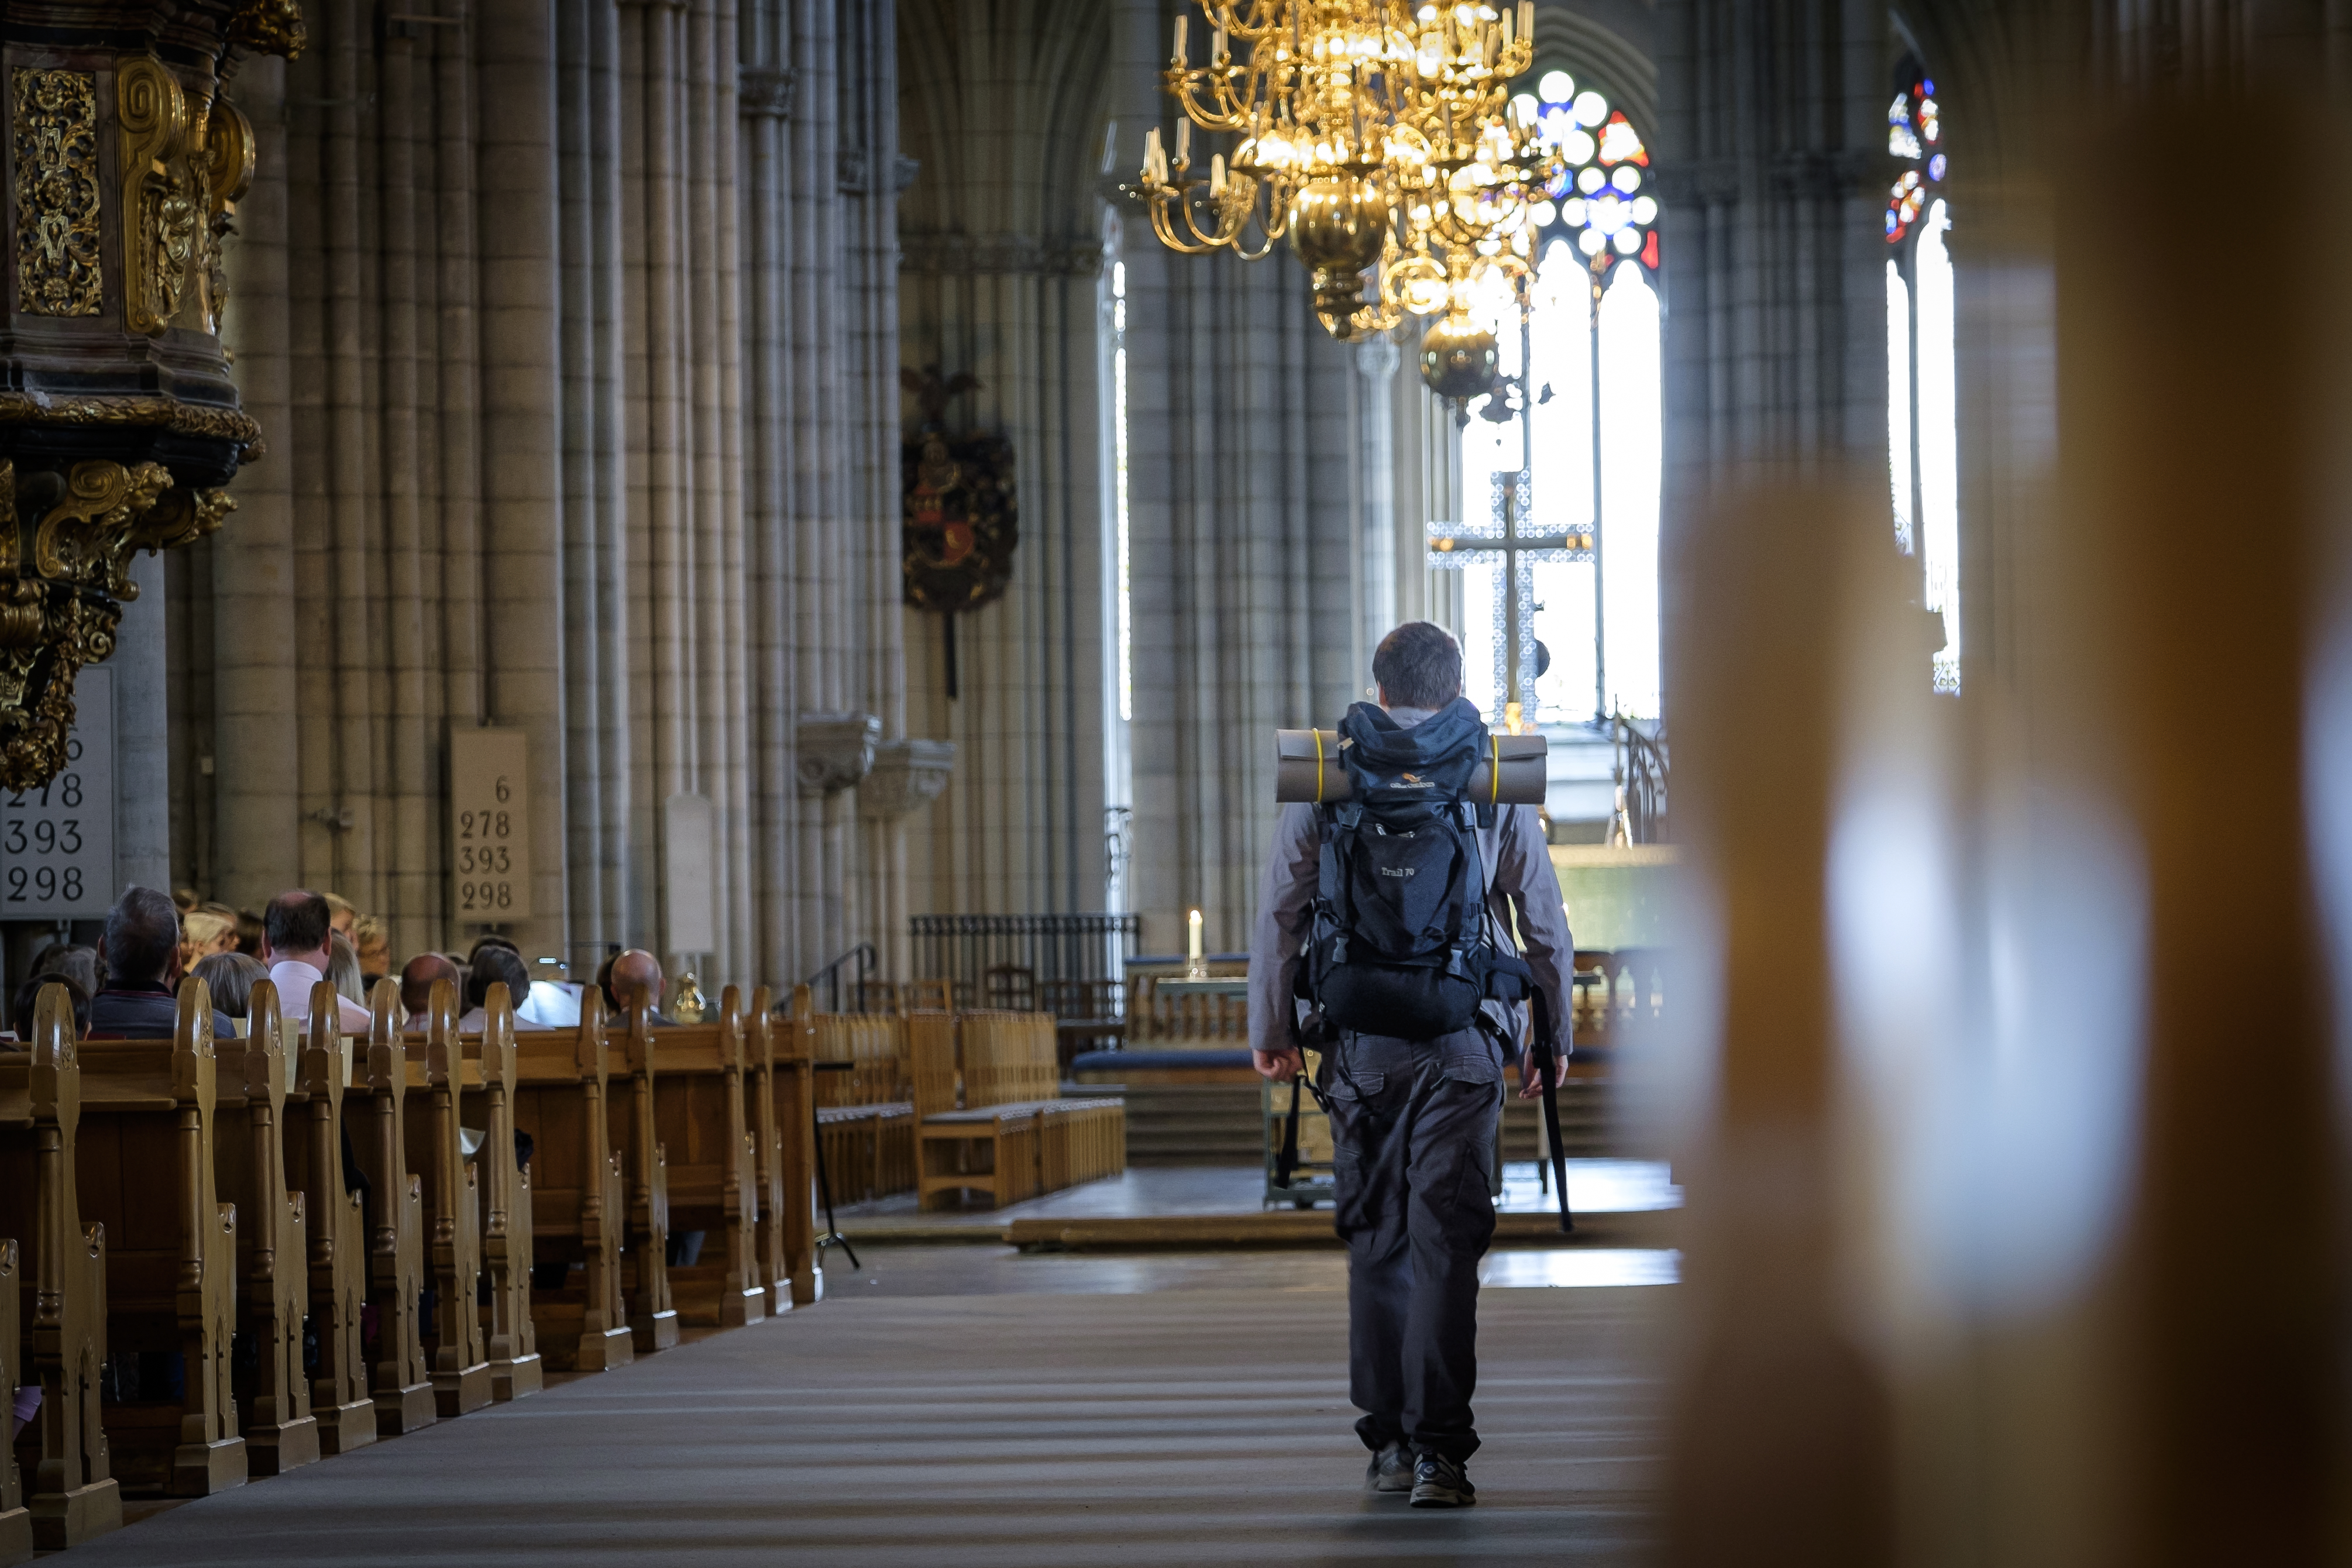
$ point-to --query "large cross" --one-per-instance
(1450, 545)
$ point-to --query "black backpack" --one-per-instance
(1399, 942)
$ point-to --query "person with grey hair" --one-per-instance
(230, 976)
(344, 970)
(1412, 1119)
(141, 952)
(72, 962)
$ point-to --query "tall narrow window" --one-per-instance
(1922, 381)
(1565, 452)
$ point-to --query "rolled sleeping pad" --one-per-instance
(1307, 772)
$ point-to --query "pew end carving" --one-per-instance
(337, 1212)
(460, 1358)
(652, 1312)
(272, 1243)
(400, 1380)
(509, 1339)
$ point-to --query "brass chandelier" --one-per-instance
(1377, 136)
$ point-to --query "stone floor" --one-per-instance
(967, 1404)
(1595, 1186)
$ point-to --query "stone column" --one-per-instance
(142, 773)
(522, 512)
(257, 847)
(1376, 469)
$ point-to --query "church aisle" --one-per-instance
(1196, 1425)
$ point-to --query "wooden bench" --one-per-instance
(145, 1170)
(56, 1289)
(580, 1204)
(508, 1338)
(864, 1112)
(400, 1380)
(1013, 1136)
(255, 1080)
(701, 1110)
(461, 1362)
(337, 1220)
(785, 1137)
(653, 1312)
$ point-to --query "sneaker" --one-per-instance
(1391, 1470)
(1439, 1482)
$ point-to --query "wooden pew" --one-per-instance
(57, 1290)
(652, 1314)
(272, 1251)
(453, 1199)
(401, 1380)
(516, 1371)
(699, 1108)
(338, 1233)
(145, 1170)
(15, 1519)
(580, 1204)
(783, 1054)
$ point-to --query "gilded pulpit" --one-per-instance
(119, 424)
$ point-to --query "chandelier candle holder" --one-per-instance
(1380, 139)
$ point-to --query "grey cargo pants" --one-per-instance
(1412, 1131)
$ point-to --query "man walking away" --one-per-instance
(1414, 1121)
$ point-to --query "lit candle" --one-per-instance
(1180, 39)
(1217, 175)
(1195, 918)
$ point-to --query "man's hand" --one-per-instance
(1281, 1066)
(1532, 1079)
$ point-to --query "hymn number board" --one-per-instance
(56, 841)
(489, 824)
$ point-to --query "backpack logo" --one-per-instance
(1398, 871)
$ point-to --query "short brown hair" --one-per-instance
(1419, 665)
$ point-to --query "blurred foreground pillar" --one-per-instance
(2203, 439)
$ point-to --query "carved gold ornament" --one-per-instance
(269, 28)
(57, 192)
(62, 612)
(158, 208)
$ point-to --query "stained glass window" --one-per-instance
(1568, 442)
(1922, 386)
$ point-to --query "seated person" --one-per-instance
(491, 965)
(417, 978)
(375, 945)
(297, 945)
(230, 976)
(140, 950)
(343, 970)
(77, 963)
(626, 974)
(28, 996)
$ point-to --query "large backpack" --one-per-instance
(1399, 942)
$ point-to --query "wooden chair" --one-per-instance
(145, 1170)
(337, 1232)
(461, 1362)
(511, 1347)
(58, 1272)
(273, 1252)
(652, 1313)
(580, 1202)
(401, 1380)
(929, 996)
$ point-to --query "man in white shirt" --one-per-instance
(296, 931)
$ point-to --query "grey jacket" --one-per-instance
(1518, 872)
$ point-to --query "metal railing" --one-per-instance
(865, 957)
(1045, 950)
(1642, 763)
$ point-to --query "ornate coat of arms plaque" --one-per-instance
(959, 520)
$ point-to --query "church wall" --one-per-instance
(571, 330)
(1004, 278)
